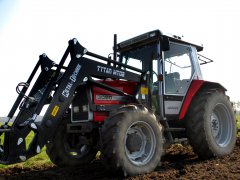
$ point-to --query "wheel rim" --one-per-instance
(140, 143)
(221, 125)
(75, 146)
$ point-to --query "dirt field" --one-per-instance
(179, 163)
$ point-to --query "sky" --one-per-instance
(29, 28)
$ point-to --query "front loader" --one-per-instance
(131, 108)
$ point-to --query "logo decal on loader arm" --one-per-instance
(55, 111)
(144, 90)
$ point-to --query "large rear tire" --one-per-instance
(211, 126)
(70, 149)
(132, 141)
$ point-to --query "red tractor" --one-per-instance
(130, 107)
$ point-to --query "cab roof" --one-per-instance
(151, 37)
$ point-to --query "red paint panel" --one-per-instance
(100, 91)
(125, 86)
(100, 116)
(194, 87)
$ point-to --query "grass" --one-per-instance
(39, 160)
(238, 120)
(238, 123)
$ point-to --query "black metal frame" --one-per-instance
(57, 89)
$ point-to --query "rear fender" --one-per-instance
(195, 87)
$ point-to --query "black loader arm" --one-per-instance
(55, 85)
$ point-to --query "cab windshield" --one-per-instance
(141, 57)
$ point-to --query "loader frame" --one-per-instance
(57, 89)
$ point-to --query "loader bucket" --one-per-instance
(4, 133)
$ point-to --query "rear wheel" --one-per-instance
(132, 141)
(70, 149)
(211, 125)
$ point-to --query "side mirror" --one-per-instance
(165, 44)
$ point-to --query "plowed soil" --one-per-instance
(179, 163)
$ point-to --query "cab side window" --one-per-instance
(178, 69)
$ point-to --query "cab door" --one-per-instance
(178, 72)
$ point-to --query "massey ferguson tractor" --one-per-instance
(148, 94)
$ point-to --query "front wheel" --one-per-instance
(211, 125)
(132, 141)
(70, 149)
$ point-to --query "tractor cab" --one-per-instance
(171, 63)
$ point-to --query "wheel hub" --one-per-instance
(76, 146)
(215, 125)
(134, 142)
(140, 143)
(221, 125)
